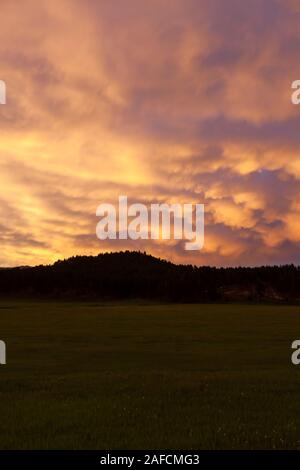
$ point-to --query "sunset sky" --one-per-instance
(161, 100)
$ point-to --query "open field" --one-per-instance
(88, 376)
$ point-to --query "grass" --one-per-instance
(92, 376)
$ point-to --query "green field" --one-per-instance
(92, 376)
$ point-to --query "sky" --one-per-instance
(175, 101)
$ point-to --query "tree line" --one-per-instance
(136, 275)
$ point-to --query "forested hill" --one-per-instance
(135, 275)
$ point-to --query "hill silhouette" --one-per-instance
(132, 275)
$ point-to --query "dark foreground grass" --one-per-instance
(129, 377)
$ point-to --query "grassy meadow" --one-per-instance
(92, 376)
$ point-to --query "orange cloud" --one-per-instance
(170, 101)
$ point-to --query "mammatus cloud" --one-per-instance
(176, 101)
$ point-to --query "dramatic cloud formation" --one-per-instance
(161, 100)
